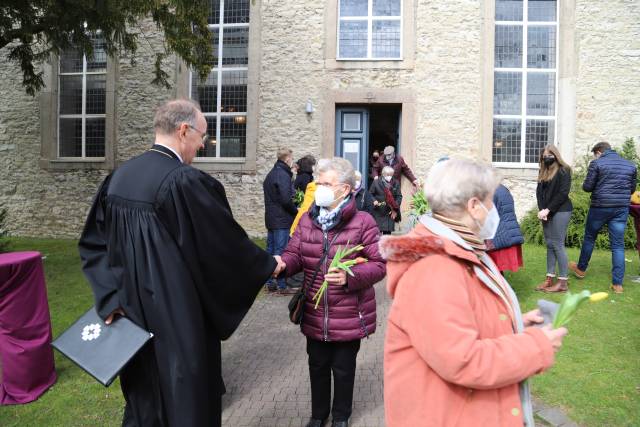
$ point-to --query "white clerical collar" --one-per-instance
(172, 150)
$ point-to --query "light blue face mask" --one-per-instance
(491, 222)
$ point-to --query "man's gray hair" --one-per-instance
(170, 115)
(344, 169)
(452, 183)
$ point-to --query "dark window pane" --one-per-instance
(206, 93)
(234, 92)
(233, 136)
(542, 10)
(541, 94)
(507, 93)
(508, 53)
(94, 134)
(71, 61)
(98, 61)
(353, 39)
(214, 12)
(236, 11)
(506, 140)
(385, 41)
(386, 7)
(541, 51)
(539, 134)
(209, 150)
(354, 7)
(508, 10)
(70, 94)
(96, 93)
(70, 140)
(235, 47)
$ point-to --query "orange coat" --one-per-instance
(451, 356)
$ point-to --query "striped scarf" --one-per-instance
(465, 232)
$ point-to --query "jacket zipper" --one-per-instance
(326, 294)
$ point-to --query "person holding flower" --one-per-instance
(346, 310)
(387, 199)
(457, 348)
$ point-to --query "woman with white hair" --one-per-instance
(346, 312)
(458, 350)
(387, 199)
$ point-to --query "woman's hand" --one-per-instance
(376, 203)
(543, 214)
(393, 214)
(336, 277)
(532, 317)
(555, 336)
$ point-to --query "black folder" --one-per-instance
(101, 350)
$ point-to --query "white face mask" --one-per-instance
(358, 183)
(387, 178)
(389, 157)
(324, 196)
(491, 222)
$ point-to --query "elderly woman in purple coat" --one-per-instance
(346, 312)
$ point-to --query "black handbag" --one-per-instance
(296, 304)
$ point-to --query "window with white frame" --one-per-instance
(525, 80)
(82, 102)
(223, 95)
(369, 30)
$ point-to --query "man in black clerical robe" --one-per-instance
(161, 247)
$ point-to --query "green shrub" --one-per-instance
(4, 234)
(532, 227)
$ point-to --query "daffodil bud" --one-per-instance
(598, 296)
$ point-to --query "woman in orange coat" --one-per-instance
(458, 350)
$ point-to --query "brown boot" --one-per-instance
(560, 286)
(548, 282)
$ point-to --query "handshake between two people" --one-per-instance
(334, 276)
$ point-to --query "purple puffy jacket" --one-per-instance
(345, 313)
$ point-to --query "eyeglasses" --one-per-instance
(205, 136)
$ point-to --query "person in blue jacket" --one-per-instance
(506, 246)
(611, 180)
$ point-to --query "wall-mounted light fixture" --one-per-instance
(309, 107)
(240, 120)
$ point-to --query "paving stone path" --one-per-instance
(266, 373)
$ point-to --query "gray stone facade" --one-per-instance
(445, 83)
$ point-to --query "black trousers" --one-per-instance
(326, 358)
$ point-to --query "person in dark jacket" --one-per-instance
(395, 161)
(305, 172)
(506, 246)
(554, 210)
(364, 199)
(347, 309)
(387, 199)
(611, 180)
(280, 210)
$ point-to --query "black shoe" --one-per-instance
(315, 423)
(344, 423)
(270, 289)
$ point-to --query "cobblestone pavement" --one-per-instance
(265, 370)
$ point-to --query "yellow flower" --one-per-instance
(598, 296)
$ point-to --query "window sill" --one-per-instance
(99, 163)
(359, 64)
(225, 164)
(521, 172)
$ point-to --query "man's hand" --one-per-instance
(416, 183)
(111, 317)
(336, 277)
(393, 215)
(555, 336)
(376, 203)
(532, 317)
(280, 267)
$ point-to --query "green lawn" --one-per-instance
(596, 378)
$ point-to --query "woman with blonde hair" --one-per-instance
(554, 205)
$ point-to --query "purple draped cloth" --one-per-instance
(26, 356)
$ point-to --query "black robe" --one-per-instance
(161, 242)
